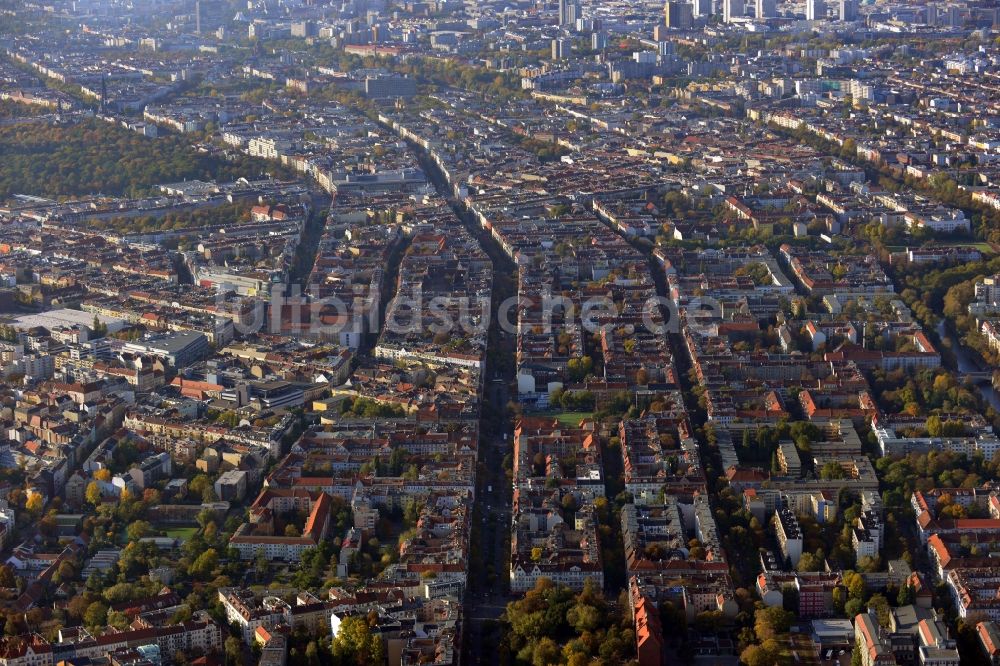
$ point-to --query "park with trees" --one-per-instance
(90, 157)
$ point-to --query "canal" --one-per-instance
(967, 360)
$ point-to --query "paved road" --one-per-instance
(487, 594)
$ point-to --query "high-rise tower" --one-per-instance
(733, 9)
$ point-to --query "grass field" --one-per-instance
(569, 419)
(985, 248)
(182, 533)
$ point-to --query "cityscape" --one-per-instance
(506, 332)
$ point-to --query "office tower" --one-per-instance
(766, 9)
(702, 8)
(572, 14)
(561, 49)
(569, 11)
(954, 17)
(678, 15)
(932, 14)
(848, 10)
(598, 41)
(992, 15)
(732, 9)
(197, 16)
(815, 10)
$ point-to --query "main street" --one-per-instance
(487, 591)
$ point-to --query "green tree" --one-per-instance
(584, 618)
(809, 562)
(138, 530)
(545, 652)
(771, 621)
(88, 156)
(934, 426)
(856, 657)
(855, 584)
(832, 471)
(880, 605)
(7, 578)
(853, 608)
(205, 564)
(579, 368)
(839, 599)
(198, 486)
(757, 655)
(355, 644)
(96, 615)
(100, 330)
(117, 619)
(312, 654)
(234, 651)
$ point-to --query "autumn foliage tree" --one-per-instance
(91, 156)
(355, 644)
(552, 625)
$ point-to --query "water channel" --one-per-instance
(966, 361)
